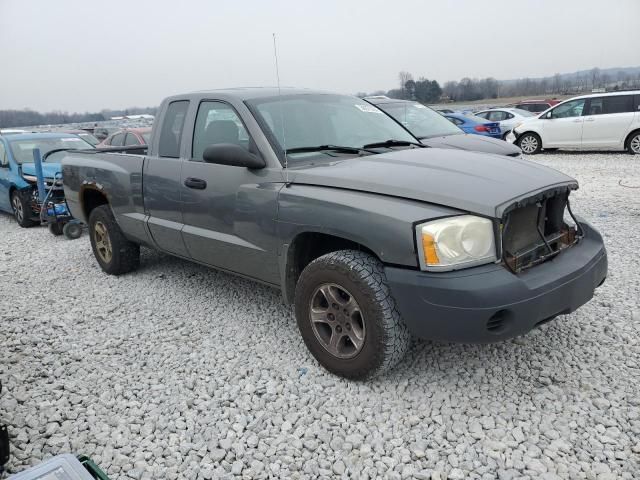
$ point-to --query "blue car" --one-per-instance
(18, 189)
(469, 123)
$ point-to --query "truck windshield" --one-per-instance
(420, 120)
(23, 149)
(324, 119)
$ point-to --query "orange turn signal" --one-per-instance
(429, 249)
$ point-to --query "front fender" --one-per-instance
(383, 224)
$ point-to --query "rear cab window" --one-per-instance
(172, 128)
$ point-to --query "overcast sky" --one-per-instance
(78, 55)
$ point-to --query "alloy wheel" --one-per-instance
(103, 242)
(634, 144)
(337, 320)
(529, 144)
(17, 208)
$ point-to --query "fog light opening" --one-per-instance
(499, 322)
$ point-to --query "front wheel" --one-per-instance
(56, 229)
(21, 210)
(634, 144)
(530, 143)
(347, 316)
(115, 254)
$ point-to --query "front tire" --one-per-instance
(21, 209)
(115, 254)
(530, 143)
(634, 144)
(347, 316)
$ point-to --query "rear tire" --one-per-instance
(21, 209)
(633, 144)
(115, 254)
(529, 143)
(345, 293)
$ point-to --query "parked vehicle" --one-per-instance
(127, 137)
(469, 123)
(609, 121)
(535, 106)
(445, 110)
(508, 118)
(434, 130)
(18, 189)
(371, 235)
(86, 136)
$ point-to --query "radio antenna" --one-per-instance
(284, 139)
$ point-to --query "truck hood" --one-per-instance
(49, 170)
(475, 143)
(474, 182)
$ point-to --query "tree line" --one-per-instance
(30, 118)
(469, 89)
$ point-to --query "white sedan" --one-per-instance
(508, 117)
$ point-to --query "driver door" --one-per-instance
(563, 125)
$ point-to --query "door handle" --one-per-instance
(578, 120)
(196, 183)
(590, 119)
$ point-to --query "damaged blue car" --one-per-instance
(18, 182)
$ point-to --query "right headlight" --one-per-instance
(455, 242)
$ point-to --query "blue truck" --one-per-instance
(18, 178)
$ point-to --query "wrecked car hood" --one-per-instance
(49, 170)
(474, 182)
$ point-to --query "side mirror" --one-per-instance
(231, 154)
(548, 115)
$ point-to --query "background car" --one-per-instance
(128, 136)
(469, 123)
(433, 129)
(507, 117)
(18, 194)
(535, 106)
(86, 136)
(609, 121)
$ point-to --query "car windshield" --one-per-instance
(23, 149)
(420, 120)
(89, 138)
(312, 120)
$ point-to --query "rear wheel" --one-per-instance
(115, 254)
(347, 316)
(530, 143)
(21, 210)
(634, 144)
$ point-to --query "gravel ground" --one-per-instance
(178, 371)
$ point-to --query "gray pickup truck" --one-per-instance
(372, 236)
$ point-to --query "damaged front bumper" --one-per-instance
(490, 303)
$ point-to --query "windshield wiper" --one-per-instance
(335, 148)
(393, 143)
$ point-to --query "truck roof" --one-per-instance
(248, 93)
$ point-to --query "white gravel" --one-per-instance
(177, 371)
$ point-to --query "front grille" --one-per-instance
(535, 232)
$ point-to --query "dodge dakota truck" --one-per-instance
(372, 236)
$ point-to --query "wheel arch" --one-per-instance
(627, 140)
(90, 198)
(307, 246)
